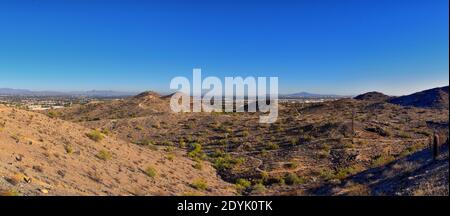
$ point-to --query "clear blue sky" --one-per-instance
(334, 46)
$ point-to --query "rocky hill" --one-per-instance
(45, 156)
(144, 104)
(373, 97)
(432, 98)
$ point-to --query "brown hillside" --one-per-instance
(40, 155)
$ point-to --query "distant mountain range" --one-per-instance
(310, 95)
(92, 93)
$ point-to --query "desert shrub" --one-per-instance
(166, 143)
(259, 188)
(51, 114)
(348, 145)
(105, 131)
(198, 165)
(171, 156)
(326, 174)
(104, 155)
(276, 180)
(217, 153)
(403, 134)
(242, 184)
(169, 149)
(69, 149)
(145, 142)
(326, 147)
(245, 133)
(381, 160)
(292, 178)
(150, 171)
(294, 141)
(345, 172)
(196, 151)
(227, 162)
(95, 135)
(199, 184)
(323, 154)
(305, 138)
(272, 146)
(182, 143)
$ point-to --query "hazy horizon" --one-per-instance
(322, 47)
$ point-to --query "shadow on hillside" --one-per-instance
(388, 179)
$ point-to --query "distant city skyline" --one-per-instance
(325, 47)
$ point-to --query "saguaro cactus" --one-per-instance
(436, 142)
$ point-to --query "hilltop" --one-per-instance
(373, 97)
(431, 98)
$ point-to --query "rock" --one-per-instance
(44, 191)
(19, 158)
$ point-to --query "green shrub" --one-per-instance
(199, 184)
(272, 146)
(170, 156)
(95, 135)
(382, 160)
(69, 149)
(292, 179)
(227, 162)
(196, 151)
(150, 171)
(242, 184)
(104, 155)
(259, 188)
(198, 166)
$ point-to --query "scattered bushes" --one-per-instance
(227, 162)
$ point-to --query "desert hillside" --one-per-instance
(311, 145)
(44, 156)
(431, 98)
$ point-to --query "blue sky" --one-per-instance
(333, 46)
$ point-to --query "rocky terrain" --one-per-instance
(432, 98)
(40, 155)
(414, 175)
(309, 147)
